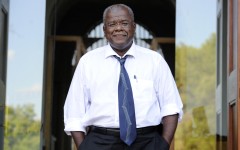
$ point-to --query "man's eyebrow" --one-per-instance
(119, 20)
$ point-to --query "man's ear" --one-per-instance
(104, 30)
(134, 25)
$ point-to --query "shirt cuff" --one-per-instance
(172, 109)
(74, 125)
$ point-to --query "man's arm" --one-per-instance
(169, 127)
(78, 137)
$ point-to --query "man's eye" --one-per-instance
(115, 24)
(125, 24)
(112, 24)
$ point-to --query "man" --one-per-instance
(121, 92)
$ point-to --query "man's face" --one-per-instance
(119, 28)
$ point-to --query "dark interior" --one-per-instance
(79, 18)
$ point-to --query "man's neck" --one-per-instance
(121, 52)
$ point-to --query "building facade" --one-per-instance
(207, 75)
(4, 13)
(228, 74)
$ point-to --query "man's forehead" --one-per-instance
(118, 17)
(116, 10)
(117, 14)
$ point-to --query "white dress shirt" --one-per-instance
(93, 94)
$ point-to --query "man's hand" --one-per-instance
(78, 137)
(169, 127)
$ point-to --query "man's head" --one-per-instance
(119, 27)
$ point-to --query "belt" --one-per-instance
(116, 131)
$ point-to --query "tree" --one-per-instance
(22, 130)
(196, 77)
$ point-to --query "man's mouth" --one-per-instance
(119, 35)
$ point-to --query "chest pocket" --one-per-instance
(142, 90)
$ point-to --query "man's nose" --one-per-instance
(119, 25)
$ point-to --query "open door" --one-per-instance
(221, 82)
(61, 59)
(233, 77)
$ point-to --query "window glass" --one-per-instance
(24, 75)
(196, 73)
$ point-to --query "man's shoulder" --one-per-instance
(147, 52)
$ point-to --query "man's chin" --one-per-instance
(121, 46)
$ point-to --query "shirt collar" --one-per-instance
(110, 52)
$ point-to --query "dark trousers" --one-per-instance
(99, 141)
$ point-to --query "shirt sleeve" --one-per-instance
(76, 102)
(168, 96)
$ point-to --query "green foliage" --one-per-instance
(22, 130)
(196, 77)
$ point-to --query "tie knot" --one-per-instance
(121, 60)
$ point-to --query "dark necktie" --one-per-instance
(127, 119)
